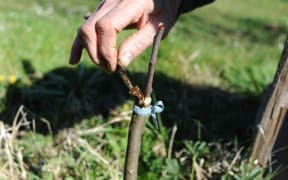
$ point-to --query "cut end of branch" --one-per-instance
(147, 101)
(161, 25)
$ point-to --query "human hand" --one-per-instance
(98, 34)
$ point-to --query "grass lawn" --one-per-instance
(211, 72)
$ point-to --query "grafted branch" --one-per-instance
(137, 123)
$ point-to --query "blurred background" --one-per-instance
(73, 122)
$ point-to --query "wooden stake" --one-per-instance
(272, 112)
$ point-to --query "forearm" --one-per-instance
(188, 5)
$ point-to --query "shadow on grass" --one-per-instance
(66, 96)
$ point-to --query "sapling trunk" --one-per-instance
(137, 123)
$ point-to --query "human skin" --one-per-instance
(98, 34)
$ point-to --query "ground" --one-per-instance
(211, 72)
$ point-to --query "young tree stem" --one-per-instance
(153, 60)
(137, 123)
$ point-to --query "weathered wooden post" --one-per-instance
(272, 112)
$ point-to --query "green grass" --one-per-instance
(211, 72)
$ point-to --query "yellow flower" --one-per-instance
(12, 79)
(126, 106)
(1, 78)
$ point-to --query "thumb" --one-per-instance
(136, 44)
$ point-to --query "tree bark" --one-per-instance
(272, 112)
(137, 123)
(133, 147)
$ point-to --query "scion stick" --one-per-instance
(137, 123)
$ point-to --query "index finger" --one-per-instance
(124, 14)
(76, 50)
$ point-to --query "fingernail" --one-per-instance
(126, 59)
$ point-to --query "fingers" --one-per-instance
(136, 43)
(87, 37)
(124, 14)
(98, 35)
(107, 44)
(76, 51)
